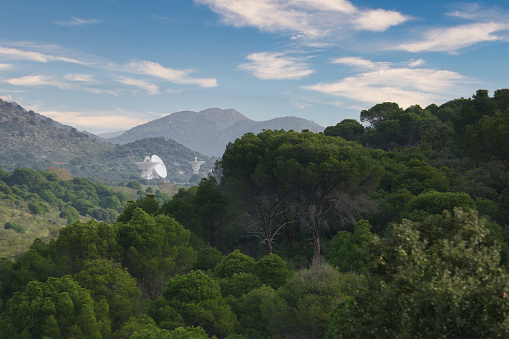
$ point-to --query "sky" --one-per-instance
(109, 65)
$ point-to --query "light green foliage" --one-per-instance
(301, 308)
(154, 248)
(193, 299)
(347, 250)
(107, 280)
(434, 279)
(59, 308)
(272, 271)
(80, 241)
(208, 258)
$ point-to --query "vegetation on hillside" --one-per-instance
(397, 229)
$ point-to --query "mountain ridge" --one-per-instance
(209, 131)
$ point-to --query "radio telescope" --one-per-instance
(152, 168)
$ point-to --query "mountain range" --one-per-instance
(28, 139)
(210, 130)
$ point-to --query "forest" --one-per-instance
(394, 226)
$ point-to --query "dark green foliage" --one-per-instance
(12, 226)
(70, 214)
(234, 262)
(148, 204)
(134, 185)
(435, 279)
(433, 202)
(38, 208)
(154, 249)
(250, 313)
(193, 299)
(208, 258)
(57, 308)
(106, 280)
(301, 308)
(79, 242)
(272, 271)
(348, 129)
(347, 250)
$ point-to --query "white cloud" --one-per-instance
(38, 80)
(416, 63)
(46, 80)
(5, 66)
(79, 77)
(19, 54)
(360, 63)
(405, 86)
(150, 88)
(176, 76)
(77, 22)
(304, 18)
(453, 38)
(267, 65)
(379, 20)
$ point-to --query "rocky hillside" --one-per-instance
(28, 139)
(210, 130)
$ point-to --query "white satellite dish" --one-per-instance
(152, 168)
(160, 169)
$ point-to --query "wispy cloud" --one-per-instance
(451, 39)
(150, 88)
(5, 66)
(304, 18)
(20, 54)
(79, 77)
(144, 67)
(176, 76)
(406, 86)
(77, 22)
(38, 80)
(49, 80)
(360, 63)
(267, 65)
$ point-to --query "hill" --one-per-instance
(210, 130)
(28, 139)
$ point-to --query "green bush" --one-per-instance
(12, 226)
(38, 208)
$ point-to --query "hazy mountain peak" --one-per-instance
(210, 130)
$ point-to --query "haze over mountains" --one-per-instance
(210, 130)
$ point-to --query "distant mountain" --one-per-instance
(28, 139)
(109, 135)
(210, 130)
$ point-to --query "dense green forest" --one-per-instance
(397, 228)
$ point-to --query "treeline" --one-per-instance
(397, 229)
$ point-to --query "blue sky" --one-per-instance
(108, 65)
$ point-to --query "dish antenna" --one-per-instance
(152, 168)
